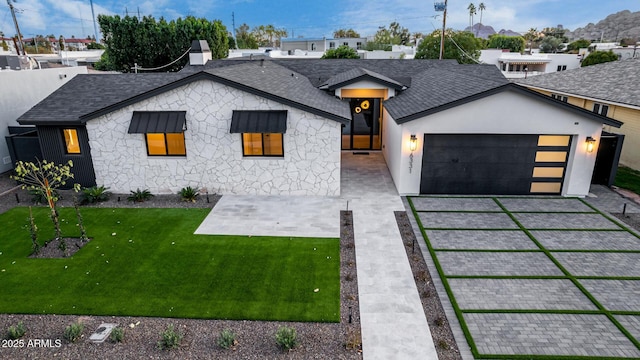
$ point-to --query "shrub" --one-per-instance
(117, 335)
(170, 339)
(189, 194)
(140, 195)
(95, 194)
(354, 340)
(286, 337)
(39, 197)
(16, 331)
(226, 339)
(73, 332)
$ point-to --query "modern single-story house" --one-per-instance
(279, 127)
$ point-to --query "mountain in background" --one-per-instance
(615, 27)
(484, 31)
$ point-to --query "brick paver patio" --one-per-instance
(535, 277)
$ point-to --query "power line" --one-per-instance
(136, 67)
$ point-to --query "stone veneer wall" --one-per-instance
(214, 160)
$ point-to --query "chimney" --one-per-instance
(199, 53)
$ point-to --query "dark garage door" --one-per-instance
(493, 164)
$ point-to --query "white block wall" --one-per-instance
(214, 160)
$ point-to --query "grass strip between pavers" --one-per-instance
(615, 221)
(573, 278)
(491, 250)
(515, 277)
(459, 312)
(148, 262)
(607, 277)
(531, 311)
(445, 282)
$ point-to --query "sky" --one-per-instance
(311, 18)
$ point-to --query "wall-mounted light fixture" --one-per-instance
(413, 142)
(591, 143)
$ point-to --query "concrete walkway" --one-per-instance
(393, 323)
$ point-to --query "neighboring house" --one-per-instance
(279, 127)
(77, 44)
(321, 44)
(21, 90)
(517, 66)
(611, 89)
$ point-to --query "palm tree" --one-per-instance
(482, 8)
(530, 36)
(472, 11)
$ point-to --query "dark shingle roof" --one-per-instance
(359, 74)
(290, 87)
(85, 94)
(616, 81)
(434, 88)
(431, 86)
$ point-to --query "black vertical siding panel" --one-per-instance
(53, 149)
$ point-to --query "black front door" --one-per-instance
(364, 130)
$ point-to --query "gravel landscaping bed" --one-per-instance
(256, 339)
(632, 220)
(443, 339)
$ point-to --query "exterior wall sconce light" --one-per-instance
(413, 142)
(591, 143)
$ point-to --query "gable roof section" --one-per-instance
(435, 88)
(88, 96)
(272, 81)
(86, 93)
(616, 81)
(519, 89)
(359, 74)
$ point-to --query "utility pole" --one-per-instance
(444, 27)
(95, 27)
(15, 22)
(233, 23)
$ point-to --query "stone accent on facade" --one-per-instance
(214, 160)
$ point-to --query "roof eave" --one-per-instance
(206, 75)
(515, 87)
(395, 86)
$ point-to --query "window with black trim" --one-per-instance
(72, 145)
(262, 144)
(600, 109)
(562, 67)
(165, 144)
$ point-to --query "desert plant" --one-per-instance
(140, 195)
(95, 194)
(117, 335)
(16, 331)
(83, 231)
(33, 231)
(226, 339)
(73, 332)
(38, 196)
(170, 339)
(354, 339)
(189, 194)
(286, 337)
(45, 177)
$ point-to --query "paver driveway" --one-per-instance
(535, 277)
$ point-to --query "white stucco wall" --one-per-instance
(20, 91)
(503, 113)
(214, 160)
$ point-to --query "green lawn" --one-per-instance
(155, 266)
(628, 178)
